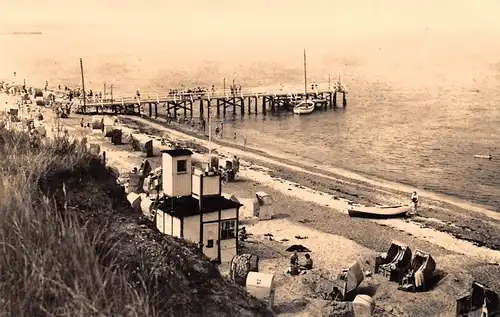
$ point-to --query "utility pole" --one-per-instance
(111, 92)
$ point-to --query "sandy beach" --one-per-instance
(309, 202)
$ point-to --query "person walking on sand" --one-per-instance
(234, 136)
(245, 140)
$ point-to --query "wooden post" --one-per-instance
(104, 93)
(150, 109)
(156, 110)
(218, 106)
(344, 99)
(83, 88)
(264, 101)
(201, 108)
(242, 99)
(256, 105)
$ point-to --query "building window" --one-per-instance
(182, 166)
(228, 229)
(210, 243)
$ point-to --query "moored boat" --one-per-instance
(356, 210)
(305, 107)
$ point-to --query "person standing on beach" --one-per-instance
(414, 200)
(217, 131)
(202, 127)
(234, 136)
(245, 140)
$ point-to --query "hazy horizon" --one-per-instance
(410, 42)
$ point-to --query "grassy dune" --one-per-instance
(72, 246)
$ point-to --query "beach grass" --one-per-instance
(48, 264)
(72, 246)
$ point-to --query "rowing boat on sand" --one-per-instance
(357, 210)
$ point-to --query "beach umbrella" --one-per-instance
(298, 248)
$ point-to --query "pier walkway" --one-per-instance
(237, 101)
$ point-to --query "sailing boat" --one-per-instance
(305, 106)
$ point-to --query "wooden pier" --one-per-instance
(202, 104)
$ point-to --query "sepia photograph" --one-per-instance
(220, 158)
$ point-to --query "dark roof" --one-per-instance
(189, 206)
(178, 152)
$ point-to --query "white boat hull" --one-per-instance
(378, 211)
(305, 107)
(483, 157)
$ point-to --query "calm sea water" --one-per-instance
(418, 122)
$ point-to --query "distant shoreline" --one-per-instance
(21, 33)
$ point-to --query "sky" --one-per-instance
(284, 17)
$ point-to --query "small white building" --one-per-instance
(193, 207)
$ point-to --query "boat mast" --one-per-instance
(305, 74)
(83, 86)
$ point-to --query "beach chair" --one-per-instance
(241, 265)
(395, 263)
(343, 286)
(480, 302)
(421, 270)
(348, 280)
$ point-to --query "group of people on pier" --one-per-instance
(198, 91)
